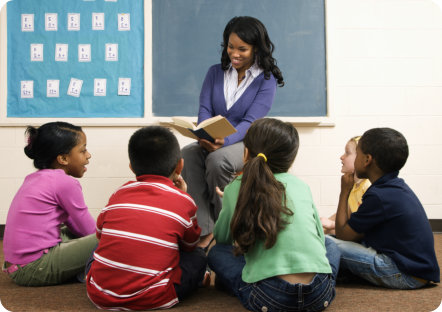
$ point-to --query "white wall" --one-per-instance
(384, 69)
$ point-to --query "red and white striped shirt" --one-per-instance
(140, 232)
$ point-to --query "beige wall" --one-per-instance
(384, 61)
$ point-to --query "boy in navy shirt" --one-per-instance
(388, 241)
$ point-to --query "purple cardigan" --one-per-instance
(253, 104)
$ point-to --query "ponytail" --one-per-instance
(45, 143)
(261, 208)
(261, 203)
(31, 134)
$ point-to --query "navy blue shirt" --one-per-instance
(394, 223)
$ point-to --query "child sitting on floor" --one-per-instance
(49, 232)
(269, 220)
(388, 241)
(146, 256)
(359, 188)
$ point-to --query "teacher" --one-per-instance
(241, 89)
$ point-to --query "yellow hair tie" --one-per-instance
(263, 156)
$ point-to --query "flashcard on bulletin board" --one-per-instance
(76, 58)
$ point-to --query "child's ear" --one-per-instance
(246, 155)
(179, 167)
(62, 160)
(177, 171)
(369, 160)
(131, 169)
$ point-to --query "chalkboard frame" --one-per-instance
(149, 117)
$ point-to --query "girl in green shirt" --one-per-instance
(270, 248)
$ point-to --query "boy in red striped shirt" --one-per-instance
(147, 256)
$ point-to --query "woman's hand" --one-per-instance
(209, 146)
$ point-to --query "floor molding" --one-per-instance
(436, 227)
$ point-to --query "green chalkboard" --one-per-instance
(187, 36)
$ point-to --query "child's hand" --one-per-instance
(179, 182)
(347, 182)
(327, 224)
(219, 192)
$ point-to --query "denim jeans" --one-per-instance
(274, 294)
(193, 267)
(376, 268)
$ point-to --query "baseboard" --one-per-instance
(436, 226)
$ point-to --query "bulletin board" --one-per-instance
(166, 54)
(75, 59)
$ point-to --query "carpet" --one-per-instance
(355, 296)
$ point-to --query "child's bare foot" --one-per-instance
(207, 278)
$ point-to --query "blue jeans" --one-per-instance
(193, 267)
(376, 268)
(274, 294)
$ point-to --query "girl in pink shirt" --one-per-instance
(49, 233)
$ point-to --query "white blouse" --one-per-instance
(233, 91)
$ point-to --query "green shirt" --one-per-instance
(300, 245)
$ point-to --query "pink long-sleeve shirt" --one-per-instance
(47, 198)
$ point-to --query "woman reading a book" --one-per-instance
(241, 89)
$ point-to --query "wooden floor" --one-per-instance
(350, 297)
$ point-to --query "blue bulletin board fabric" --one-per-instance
(130, 63)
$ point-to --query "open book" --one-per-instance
(217, 127)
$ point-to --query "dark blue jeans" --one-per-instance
(193, 267)
(274, 294)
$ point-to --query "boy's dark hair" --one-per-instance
(387, 146)
(154, 150)
(50, 140)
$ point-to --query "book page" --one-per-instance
(182, 130)
(220, 129)
(209, 121)
(183, 123)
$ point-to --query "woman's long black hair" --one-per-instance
(253, 32)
